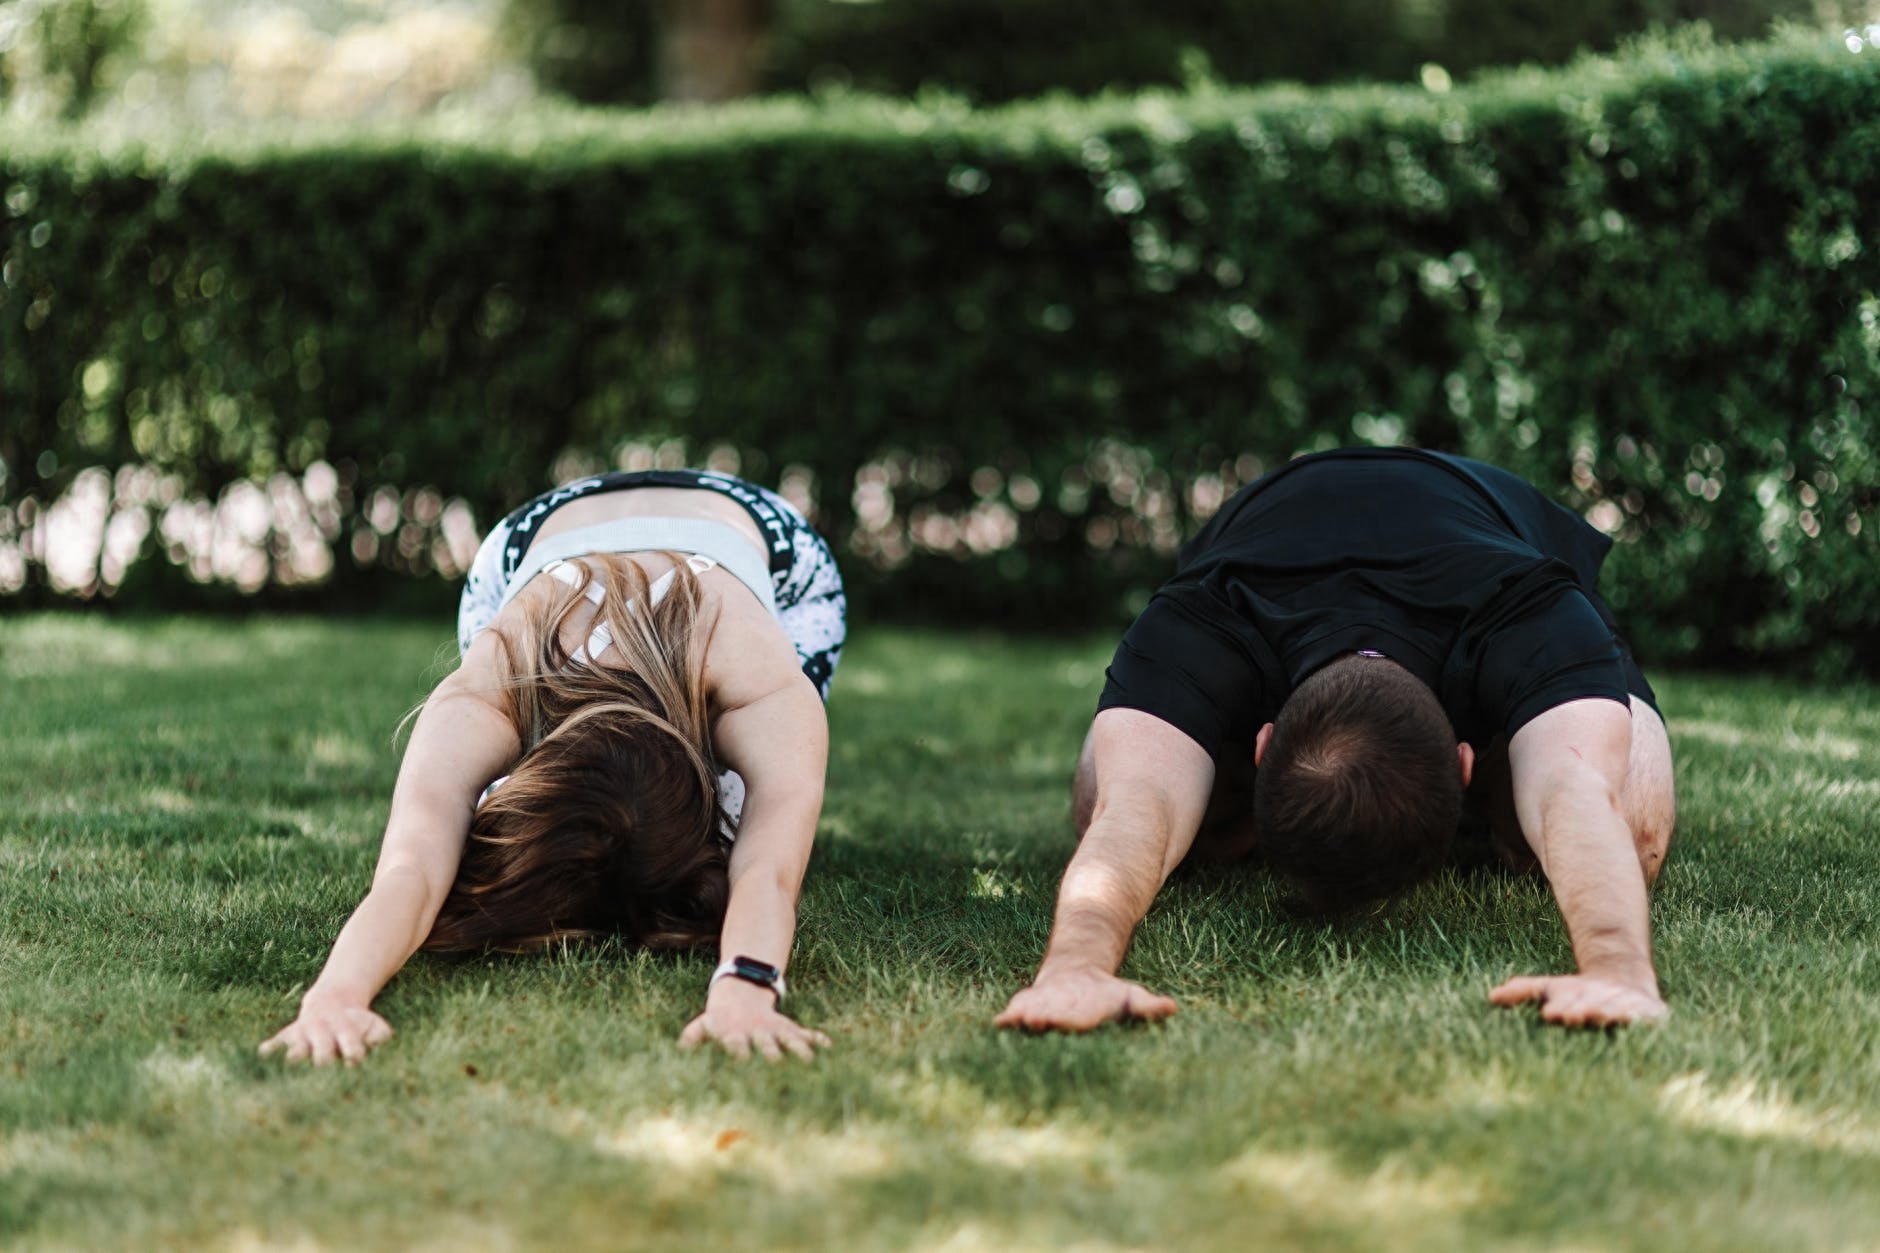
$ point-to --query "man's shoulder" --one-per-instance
(1190, 661)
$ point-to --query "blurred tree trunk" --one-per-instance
(711, 50)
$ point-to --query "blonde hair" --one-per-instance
(609, 820)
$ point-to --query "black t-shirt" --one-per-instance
(1461, 572)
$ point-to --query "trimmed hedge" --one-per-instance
(993, 50)
(605, 52)
(1020, 351)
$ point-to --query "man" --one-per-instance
(1340, 643)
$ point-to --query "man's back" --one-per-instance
(1461, 572)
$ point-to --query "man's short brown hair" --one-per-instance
(1358, 793)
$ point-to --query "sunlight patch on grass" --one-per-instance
(802, 1160)
(177, 1075)
(463, 1234)
(992, 884)
(255, 1242)
(1314, 1180)
(338, 751)
(1028, 1148)
(56, 646)
(1488, 1093)
(944, 1100)
(945, 670)
(1829, 789)
(169, 801)
(977, 1238)
(1747, 1111)
(799, 1160)
(1781, 740)
(43, 1151)
(864, 682)
(1042, 761)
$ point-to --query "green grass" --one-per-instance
(188, 810)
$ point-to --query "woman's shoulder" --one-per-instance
(748, 654)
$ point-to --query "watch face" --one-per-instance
(756, 971)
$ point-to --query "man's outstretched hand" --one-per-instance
(1081, 1000)
(1583, 1000)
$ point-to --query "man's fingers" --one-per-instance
(1564, 1013)
(799, 1046)
(693, 1035)
(767, 1045)
(1520, 990)
(273, 1044)
(738, 1046)
(1582, 1001)
(1012, 1014)
(1593, 1012)
(377, 1032)
(1148, 1006)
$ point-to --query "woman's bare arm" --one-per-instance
(461, 741)
(772, 730)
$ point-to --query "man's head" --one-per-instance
(1360, 783)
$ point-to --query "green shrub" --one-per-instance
(997, 50)
(60, 54)
(1017, 351)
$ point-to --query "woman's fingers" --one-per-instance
(377, 1031)
(773, 1036)
(322, 1049)
(333, 1037)
(350, 1040)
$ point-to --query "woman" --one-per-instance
(622, 636)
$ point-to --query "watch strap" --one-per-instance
(750, 970)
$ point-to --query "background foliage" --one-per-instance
(1012, 354)
(995, 50)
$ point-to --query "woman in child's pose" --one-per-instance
(625, 639)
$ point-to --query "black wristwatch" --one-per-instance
(749, 969)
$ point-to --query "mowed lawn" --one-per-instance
(189, 808)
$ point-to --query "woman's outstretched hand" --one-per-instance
(328, 1031)
(742, 1016)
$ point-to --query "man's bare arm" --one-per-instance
(1569, 768)
(1152, 789)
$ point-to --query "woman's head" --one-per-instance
(609, 821)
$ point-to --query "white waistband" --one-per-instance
(725, 544)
